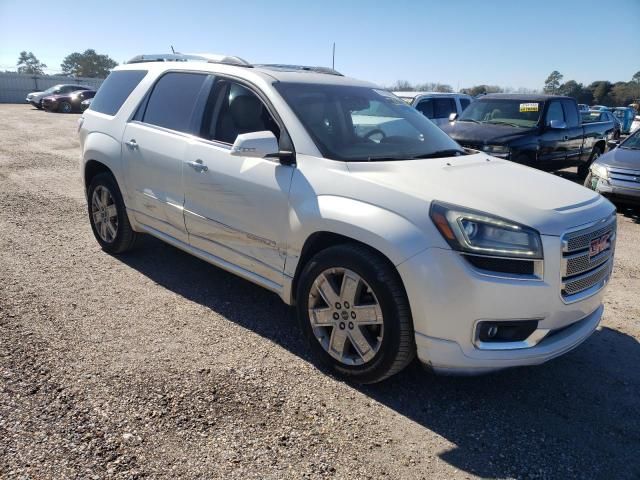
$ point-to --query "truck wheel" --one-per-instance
(108, 215)
(583, 169)
(353, 310)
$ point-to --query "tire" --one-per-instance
(583, 170)
(121, 237)
(380, 293)
(65, 107)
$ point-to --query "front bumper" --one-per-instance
(449, 297)
(617, 189)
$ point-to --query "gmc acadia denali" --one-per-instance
(390, 239)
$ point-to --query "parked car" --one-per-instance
(603, 116)
(616, 174)
(601, 107)
(635, 126)
(388, 237)
(35, 98)
(542, 131)
(625, 116)
(85, 104)
(436, 106)
(583, 107)
(67, 102)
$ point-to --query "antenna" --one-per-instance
(333, 58)
(172, 50)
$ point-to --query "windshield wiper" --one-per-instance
(468, 120)
(500, 122)
(451, 152)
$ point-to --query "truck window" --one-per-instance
(426, 107)
(570, 113)
(443, 107)
(464, 103)
(555, 112)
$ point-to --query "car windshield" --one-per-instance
(352, 123)
(501, 111)
(632, 142)
(588, 117)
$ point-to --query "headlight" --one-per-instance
(496, 150)
(599, 170)
(475, 232)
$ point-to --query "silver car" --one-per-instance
(616, 174)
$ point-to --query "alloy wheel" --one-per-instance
(104, 213)
(345, 316)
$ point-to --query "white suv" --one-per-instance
(388, 237)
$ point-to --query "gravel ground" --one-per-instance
(158, 365)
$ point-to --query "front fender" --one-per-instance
(388, 232)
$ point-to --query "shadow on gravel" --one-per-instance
(575, 417)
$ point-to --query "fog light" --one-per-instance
(509, 331)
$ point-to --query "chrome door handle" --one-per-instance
(198, 166)
(132, 144)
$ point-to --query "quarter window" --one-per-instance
(115, 90)
(172, 100)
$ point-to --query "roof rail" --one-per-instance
(193, 57)
(297, 68)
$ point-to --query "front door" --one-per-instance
(236, 208)
(554, 142)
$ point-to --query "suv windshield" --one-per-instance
(503, 111)
(352, 123)
(632, 142)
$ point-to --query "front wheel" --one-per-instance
(108, 215)
(354, 311)
(583, 169)
(65, 107)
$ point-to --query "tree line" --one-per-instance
(78, 64)
(601, 92)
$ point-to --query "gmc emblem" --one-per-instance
(598, 245)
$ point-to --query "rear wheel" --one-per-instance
(108, 215)
(355, 314)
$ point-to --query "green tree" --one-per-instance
(28, 63)
(552, 83)
(88, 64)
(482, 89)
(601, 92)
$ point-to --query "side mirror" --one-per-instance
(255, 145)
(613, 144)
(557, 124)
(453, 116)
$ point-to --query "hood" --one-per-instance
(540, 200)
(483, 133)
(621, 158)
(33, 94)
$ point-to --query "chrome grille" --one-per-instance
(625, 175)
(583, 274)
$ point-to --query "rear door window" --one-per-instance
(173, 99)
(443, 107)
(115, 90)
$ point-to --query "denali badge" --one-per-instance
(598, 245)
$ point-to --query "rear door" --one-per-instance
(154, 146)
(237, 208)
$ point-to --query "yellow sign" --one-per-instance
(528, 107)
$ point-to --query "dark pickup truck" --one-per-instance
(542, 131)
